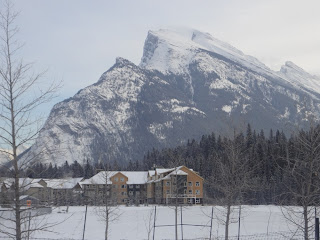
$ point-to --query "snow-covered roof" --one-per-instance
(151, 172)
(65, 183)
(100, 178)
(24, 183)
(133, 177)
(27, 196)
(36, 185)
(163, 170)
(173, 171)
(177, 172)
(136, 177)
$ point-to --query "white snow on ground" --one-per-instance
(133, 221)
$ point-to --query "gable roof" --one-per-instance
(104, 176)
(174, 171)
(65, 183)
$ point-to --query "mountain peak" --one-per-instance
(123, 62)
(131, 110)
(292, 66)
(172, 51)
(299, 76)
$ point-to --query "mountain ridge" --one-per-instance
(185, 85)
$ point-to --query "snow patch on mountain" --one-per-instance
(176, 106)
(159, 129)
(286, 113)
(227, 108)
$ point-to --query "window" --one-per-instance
(190, 191)
(123, 186)
(197, 200)
(197, 192)
(168, 183)
(190, 200)
(116, 179)
(124, 193)
(115, 186)
(130, 193)
(190, 184)
(122, 179)
(197, 184)
(124, 200)
(130, 186)
(137, 186)
(168, 191)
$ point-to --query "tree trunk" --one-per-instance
(226, 233)
(176, 221)
(107, 215)
(17, 208)
(15, 161)
(306, 223)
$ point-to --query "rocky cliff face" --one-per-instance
(186, 85)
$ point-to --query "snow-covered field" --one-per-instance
(134, 222)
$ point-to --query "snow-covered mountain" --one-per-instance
(5, 156)
(187, 84)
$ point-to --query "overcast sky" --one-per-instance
(77, 40)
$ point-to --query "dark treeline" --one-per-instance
(74, 170)
(283, 170)
(272, 160)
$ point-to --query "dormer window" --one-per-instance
(122, 179)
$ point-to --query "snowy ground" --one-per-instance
(133, 223)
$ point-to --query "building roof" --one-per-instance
(65, 183)
(36, 185)
(100, 178)
(27, 197)
(173, 171)
(136, 177)
(133, 177)
(163, 170)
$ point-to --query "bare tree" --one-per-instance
(231, 178)
(177, 187)
(20, 95)
(108, 210)
(302, 180)
(149, 222)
